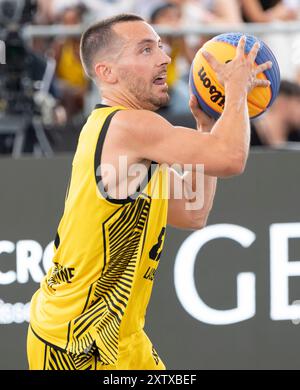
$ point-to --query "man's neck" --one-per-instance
(121, 100)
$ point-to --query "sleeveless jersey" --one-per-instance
(106, 254)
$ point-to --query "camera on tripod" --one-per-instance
(16, 84)
(21, 79)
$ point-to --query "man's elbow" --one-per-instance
(229, 162)
(198, 222)
(235, 165)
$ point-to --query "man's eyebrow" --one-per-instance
(142, 42)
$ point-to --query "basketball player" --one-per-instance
(89, 311)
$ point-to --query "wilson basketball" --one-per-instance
(210, 92)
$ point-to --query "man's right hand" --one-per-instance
(223, 150)
(240, 73)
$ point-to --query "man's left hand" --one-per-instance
(204, 122)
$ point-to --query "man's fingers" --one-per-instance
(204, 121)
(194, 106)
(261, 83)
(211, 60)
(253, 52)
(261, 68)
(193, 102)
(240, 51)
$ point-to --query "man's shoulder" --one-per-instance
(136, 120)
(130, 114)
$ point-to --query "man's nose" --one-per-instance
(165, 59)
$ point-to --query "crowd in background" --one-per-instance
(76, 95)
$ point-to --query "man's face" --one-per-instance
(141, 66)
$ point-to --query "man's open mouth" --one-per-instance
(160, 80)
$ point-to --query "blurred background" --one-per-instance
(245, 296)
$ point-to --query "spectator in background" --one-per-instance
(281, 123)
(218, 11)
(169, 14)
(195, 11)
(44, 13)
(145, 8)
(272, 11)
(69, 71)
(199, 12)
(264, 11)
(101, 9)
(48, 10)
(210, 11)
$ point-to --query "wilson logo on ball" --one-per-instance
(216, 96)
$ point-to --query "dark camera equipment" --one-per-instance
(20, 80)
(17, 11)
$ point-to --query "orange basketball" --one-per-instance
(210, 92)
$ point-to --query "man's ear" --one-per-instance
(105, 73)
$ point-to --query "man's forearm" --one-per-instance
(205, 192)
(233, 128)
(210, 186)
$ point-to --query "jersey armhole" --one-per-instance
(97, 167)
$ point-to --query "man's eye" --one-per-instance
(147, 50)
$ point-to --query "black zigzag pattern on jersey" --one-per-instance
(56, 359)
(122, 240)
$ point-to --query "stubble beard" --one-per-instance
(146, 98)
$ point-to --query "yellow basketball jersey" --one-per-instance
(106, 254)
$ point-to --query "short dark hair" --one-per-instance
(100, 36)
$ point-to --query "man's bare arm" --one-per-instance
(180, 215)
(224, 151)
(192, 210)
